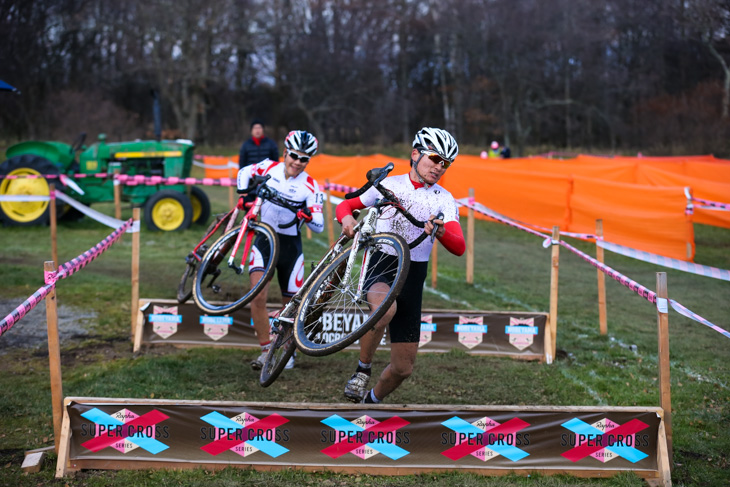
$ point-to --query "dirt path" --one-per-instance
(31, 332)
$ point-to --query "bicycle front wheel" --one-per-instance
(219, 288)
(341, 305)
(282, 348)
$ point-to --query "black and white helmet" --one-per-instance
(437, 140)
(301, 141)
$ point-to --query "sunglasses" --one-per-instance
(297, 157)
(436, 159)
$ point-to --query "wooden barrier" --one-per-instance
(413, 439)
(602, 323)
(54, 357)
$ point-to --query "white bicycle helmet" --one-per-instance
(301, 141)
(437, 140)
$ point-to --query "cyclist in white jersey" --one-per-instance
(296, 188)
(433, 152)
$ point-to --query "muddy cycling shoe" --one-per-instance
(258, 363)
(357, 386)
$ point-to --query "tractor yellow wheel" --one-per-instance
(24, 177)
(201, 205)
(168, 211)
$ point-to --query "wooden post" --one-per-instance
(434, 264)
(602, 324)
(54, 220)
(117, 195)
(329, 216)
(231, 198)
(663, 328)
(554, 293)
(54, 358)
(309, 233)
(135, 270)
(470, 241)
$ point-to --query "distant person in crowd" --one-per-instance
(497, 152)
(257, 148)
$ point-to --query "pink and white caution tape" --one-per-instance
(338, 187)
(711, 205)
(643, 291)
(480, 208)
(25, 307)
(63, 272)
(614, 274)
(138, 180)
(680, 265)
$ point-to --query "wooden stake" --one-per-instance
(470, 241)
(54, 220)
(117, 195)
(434, 264)
(329, 216)
(135, 270)
(554, 293)
(231, 198)
(602, 324)
(663, 332)
(54, 358)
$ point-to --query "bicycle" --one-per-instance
(341, 284)
(222, 287)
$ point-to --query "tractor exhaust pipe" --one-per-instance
(157, 115)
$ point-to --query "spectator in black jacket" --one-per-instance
(258, 147)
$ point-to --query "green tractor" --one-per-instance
(166, 208)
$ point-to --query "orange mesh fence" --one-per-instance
(640, 199)
(222, 161)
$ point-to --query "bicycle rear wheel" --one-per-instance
(185, 287)
(282, 348)
(332, 314)
(219, 289)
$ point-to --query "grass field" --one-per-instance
(512, 273)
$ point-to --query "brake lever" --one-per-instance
(440, 216)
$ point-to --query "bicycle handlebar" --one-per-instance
(375, 176)
(257, 185)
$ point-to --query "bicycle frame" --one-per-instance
(229, 218)
(250, 216)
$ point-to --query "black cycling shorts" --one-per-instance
(405, 327)
(289, 269)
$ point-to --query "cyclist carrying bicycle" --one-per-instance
(296, 188)
(434, 150)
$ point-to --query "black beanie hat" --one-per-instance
(257, 121)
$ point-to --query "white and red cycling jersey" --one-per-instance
(301, 190)
(421, 202)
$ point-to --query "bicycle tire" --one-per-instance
(214, 275)
(310, 329)
(282, 348)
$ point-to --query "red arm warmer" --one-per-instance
(348, 206)
(453, 238)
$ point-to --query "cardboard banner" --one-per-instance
(148, 433)
(516, 334)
